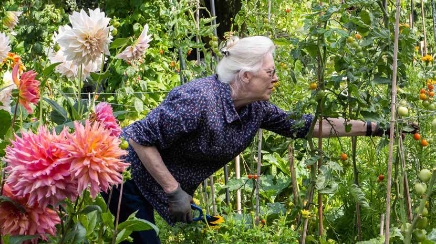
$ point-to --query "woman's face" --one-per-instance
(261, 84)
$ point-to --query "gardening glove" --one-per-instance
(411, 128)
(179, 203)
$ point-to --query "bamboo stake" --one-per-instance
(411, 19)
(405, 182)
(293, 176)
(320, 205)
(424, 32)
(238, 192)
(433, 7)
(392, 121)
(382, 221)
(259, 163)
(212, 193)
(197, 38)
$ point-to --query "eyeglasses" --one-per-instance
(271, 72)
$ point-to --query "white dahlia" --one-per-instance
(6, 88)
(4, 46)
(87, 39)
(138, 48)
(69, 69)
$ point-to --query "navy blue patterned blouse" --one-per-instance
(197, 130)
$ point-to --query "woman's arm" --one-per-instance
(152, 161)
(332, 127)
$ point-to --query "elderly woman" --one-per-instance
(201, 126)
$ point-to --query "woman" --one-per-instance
(203, 125)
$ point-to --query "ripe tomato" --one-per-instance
(423, 96)
(380, 178)
(344, 156)
(431, 94)
(250, 176)
(424, 143)
(430, 87)
(255, 177)
(358, 36)
(288, 10)
(313, 86)
(161, 51)
(417, 136)
(422, 91)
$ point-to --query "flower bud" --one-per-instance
(11, 19)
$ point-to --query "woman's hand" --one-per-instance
(180, 205)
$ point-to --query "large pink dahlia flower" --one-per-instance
(18, 218)
(94, 156)
(35, 168)
(104, 115)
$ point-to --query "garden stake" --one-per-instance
(297, 200)
(212, 193)
(259, 163)
(405, 181)
(238, 192)
(424, 32)
(433, 7)
(392, 121)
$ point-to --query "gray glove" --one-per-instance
(180, 205)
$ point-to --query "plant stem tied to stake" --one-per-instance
(392, 122)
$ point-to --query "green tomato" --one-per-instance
(124, 144)
(403, 111)
(420, 188)
(432, 106)
(419, 235)
(350, 39)
(355, 45)
(421, 223)
(426, 103)
(424, 175)
(433, 124)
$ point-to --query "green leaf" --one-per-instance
(119, 42)
(359, 196)
(17, 205)
(93, 218)
(134, 224)
(59, 114)
(47, 71)
(77, 235)
(91, 208)
(5, 122)
(100, 76)
(20, 239)
(139, 105)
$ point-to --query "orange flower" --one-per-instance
(28, 88)
(14, 59)
(94, 156)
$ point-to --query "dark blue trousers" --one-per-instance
(132, 200)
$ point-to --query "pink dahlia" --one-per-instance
(104, 115)
(35, 168)
(28, 88)
(94, 156)
(18, 218)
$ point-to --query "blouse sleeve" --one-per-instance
(178, 115)
(278, 121)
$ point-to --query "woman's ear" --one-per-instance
(246, 76)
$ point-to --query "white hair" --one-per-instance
(243, 55)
